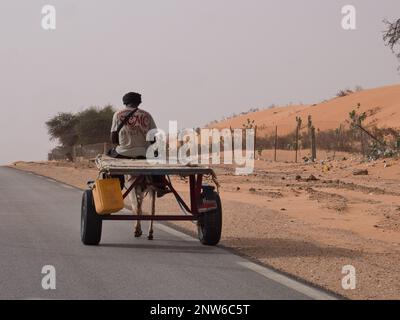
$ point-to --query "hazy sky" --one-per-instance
(193, 60)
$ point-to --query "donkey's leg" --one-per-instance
(153, 210)
(136, 209)
(139, 199)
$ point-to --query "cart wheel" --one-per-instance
(210, 225)
(91, 223)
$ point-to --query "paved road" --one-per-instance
(40, 225)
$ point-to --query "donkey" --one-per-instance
(136, 196)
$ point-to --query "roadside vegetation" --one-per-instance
(89, 126)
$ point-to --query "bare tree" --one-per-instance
(391, 36)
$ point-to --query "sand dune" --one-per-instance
(381, 104)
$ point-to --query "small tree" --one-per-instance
(94, 125)
(344, 93)
(377, 146)
(356, 119)
(391, 36)
(62, 127)
(356, 122)
(249, 125)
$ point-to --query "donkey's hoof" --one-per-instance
(138, 234)
(150, 237)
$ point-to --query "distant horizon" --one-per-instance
(193, 61)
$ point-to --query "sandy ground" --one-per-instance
(308, 220)
(381, 104)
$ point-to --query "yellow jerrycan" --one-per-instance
(107, 196)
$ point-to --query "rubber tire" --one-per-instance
(209, 226)
(91, 222)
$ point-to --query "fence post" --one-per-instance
(340, 144)
(233, 141)
(297, 142)
(298, 127)
(276, 142)
(313, 145)
(74, 153)
(255, 141)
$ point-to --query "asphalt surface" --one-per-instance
(40, 225)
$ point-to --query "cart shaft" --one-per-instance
(149, 218)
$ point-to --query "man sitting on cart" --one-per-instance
(129, 130)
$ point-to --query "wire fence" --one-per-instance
(324, 140)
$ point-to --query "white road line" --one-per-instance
(268, 273)
(52, 180)
(66, 186)
(287, 282)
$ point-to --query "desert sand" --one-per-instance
(381, 104)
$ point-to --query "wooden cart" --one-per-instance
(204, 207)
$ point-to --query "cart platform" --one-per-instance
(114, 166)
